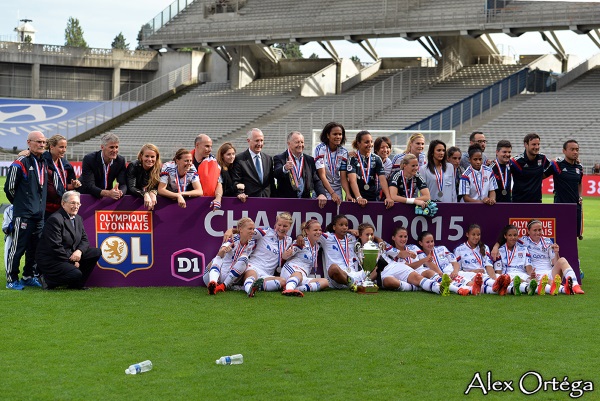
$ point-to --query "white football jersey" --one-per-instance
(339, 251)
(268, 250)
(541, 253)
(471, 259)
(513, 262)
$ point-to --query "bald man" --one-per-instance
(208, 169)
(26, 188)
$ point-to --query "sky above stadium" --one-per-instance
(103, 20)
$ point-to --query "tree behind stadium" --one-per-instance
(74, 34)
(119, 42)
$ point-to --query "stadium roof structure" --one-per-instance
(212, 23)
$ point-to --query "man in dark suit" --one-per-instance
(296, 172)
(253, 168)
(64, 256)
(100, 169)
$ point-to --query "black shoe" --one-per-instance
(43, 282)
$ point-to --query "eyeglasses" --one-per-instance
(73, 203)
(41, 142)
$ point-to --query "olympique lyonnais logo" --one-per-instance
(548, 226)
(125, 239)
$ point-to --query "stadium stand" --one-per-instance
(460, 85)
(573, 112)
(212, 108)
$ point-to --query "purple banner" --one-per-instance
(171, 246)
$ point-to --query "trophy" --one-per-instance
(368, 254)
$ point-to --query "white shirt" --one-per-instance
(268, 249)
(477, 184)
(339, 251)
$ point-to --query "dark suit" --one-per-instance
(92, 174)
(309, 174)
(58, 242)
(244, 172)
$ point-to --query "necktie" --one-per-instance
(258, 168)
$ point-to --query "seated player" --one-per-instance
(231, 261)
(266, 259)
(547, 263)
(302, 261)
(392, 272)
(473, 257)
(441, 261)
(341, 265)
(513, 264)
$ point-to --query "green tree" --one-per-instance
(145, 30)
(355, 59)
(119, 42)
(74, 34)
(27, 39)
(314, 56)
(291, 50)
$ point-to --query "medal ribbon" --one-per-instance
(439, 178)
(479, 258)
(282, 247)
(238, 252)
(344, 253)
(40, 171)
(181, 188)
(437, 260)
(314, 252)
(62, 174)
(510, 255)
(503, 178)
(332, 164)
(412, 186)
(366, 175)
(106, 172)
(478, 186)
(296, 169)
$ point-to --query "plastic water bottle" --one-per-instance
(139, 368)
(236, 359)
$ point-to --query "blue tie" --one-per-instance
(258, 168)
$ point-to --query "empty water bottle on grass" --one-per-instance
(236, 359)
(139, 368)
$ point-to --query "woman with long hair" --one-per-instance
(364, 170)
(143, 175)
(179, 178)
(439, 174)
(61, 175)
(407, 185)
(414, 146)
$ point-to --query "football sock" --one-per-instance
(430, 285)
(570, 273)
(291, 283)
(248, 284)
(314, 286)
(271, 285)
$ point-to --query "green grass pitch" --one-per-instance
(334, 345)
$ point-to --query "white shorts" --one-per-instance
(464, 278)
(422, 269)
(397, 270)
(524, 276)
(357, 276)
(260, 272)
(542, 273)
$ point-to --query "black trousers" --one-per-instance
(65, 273)
(25, 239)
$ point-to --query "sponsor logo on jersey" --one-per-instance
(125, 239)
